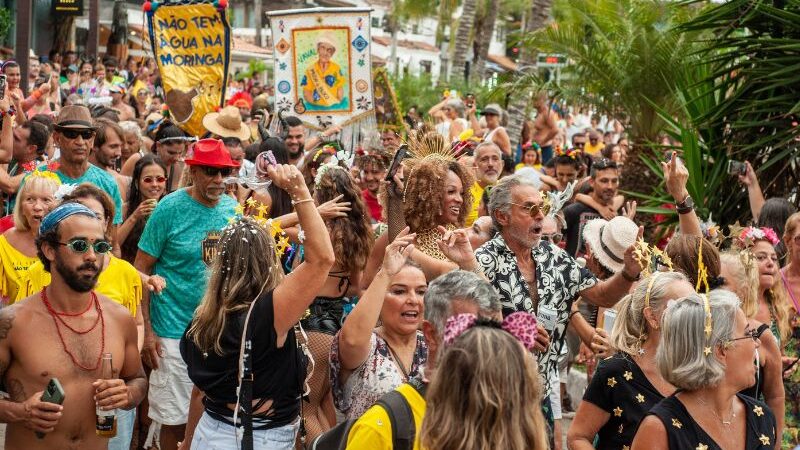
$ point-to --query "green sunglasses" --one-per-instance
(82, 246)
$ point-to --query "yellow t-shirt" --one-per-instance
(373, 430)
(477, 193)
(593, 149)
(523, 165)
(119, 282)
(331, 76)
(13, 265)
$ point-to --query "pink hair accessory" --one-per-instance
(751, 234)
(520, 324)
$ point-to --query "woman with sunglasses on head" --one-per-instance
(148, 186)
(249, 296)
(626, 385)
(706, 351)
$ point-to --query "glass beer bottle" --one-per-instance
(106, 421)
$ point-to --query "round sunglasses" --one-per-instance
(81, 245)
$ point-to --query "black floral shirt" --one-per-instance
(559, 280)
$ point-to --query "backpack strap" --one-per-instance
(403, 429)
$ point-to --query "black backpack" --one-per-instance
(402, 419)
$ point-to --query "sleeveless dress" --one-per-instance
(683, 433)
(791, 384)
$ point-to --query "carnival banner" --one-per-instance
(191, 45)
(388, 114)
(323, 70)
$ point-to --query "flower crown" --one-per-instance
(572, 153)
(749, 236)
(44, 171)
(339, 157)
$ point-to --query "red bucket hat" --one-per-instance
(211, 153)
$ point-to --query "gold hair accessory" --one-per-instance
(702, 271)
(651, 259)
(709, 324)
(273, 226)
(649, 290)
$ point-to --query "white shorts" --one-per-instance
(213, 434)
(170, 387)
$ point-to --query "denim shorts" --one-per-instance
(212, 434)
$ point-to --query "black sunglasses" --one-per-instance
(214, 171)
(81, 245)
(73, 134)
(752, 334)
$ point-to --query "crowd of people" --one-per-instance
(255, 289)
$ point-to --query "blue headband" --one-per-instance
(61, 212)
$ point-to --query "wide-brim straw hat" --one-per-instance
(227, 123)
(609, 240)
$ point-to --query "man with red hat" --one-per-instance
(178, 243)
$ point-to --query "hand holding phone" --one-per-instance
(737, 168)
(396, 162)
(46, 412)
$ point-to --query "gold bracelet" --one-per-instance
(297, 202)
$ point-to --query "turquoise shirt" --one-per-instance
(104, 181)
(181, 235)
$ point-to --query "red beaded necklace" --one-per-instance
(56, 315)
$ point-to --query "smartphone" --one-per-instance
(469, 100)
(53, 394)
(2, 85)
(609, 317)
(737, 168)
(396, 161)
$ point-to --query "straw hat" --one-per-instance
(75, 117)
(227, 123)
(609, 240)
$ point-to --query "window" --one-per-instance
(376, 22)
(427, 66)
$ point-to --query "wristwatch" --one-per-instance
(686, 206)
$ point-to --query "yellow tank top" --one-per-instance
(13, 266)
(119, 281)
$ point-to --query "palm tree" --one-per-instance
(752, 46)
(463, 41)
(484, 30)
(537, 17)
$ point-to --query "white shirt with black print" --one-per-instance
(559, 280)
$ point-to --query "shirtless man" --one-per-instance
(126, 112)
(544, 127)
(37, 342)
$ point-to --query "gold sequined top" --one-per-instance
(426, 242)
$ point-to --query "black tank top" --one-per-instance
(683, 433)
(278, 373)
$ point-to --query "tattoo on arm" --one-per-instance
(6, 321)
(16, 390)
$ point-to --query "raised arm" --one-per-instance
(675, 177)
(6, 133)
(608, 292)
(298, 289)
(754, 194)
(357, 329)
